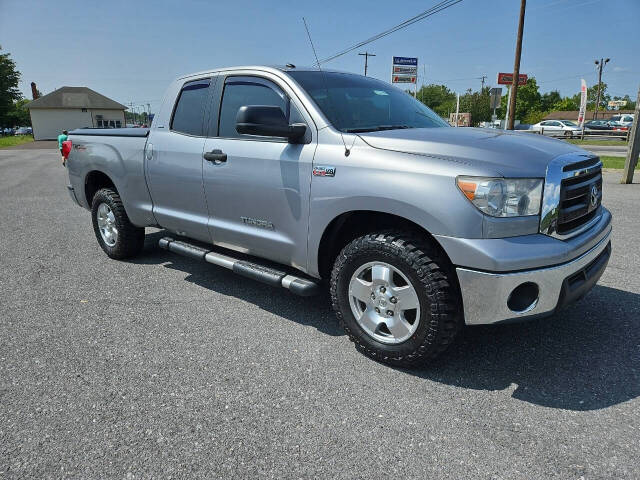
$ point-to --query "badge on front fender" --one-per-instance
(324, 171)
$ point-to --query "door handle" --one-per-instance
(215, 156)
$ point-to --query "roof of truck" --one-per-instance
(282, 68)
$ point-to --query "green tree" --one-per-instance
(549, 99)
(477, 104)
(592, 94)
(18, 115)
(528, 99)
(567, 103)
(534, 116)
(438, 98)
(9, 93)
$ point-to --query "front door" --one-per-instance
(257, 188)
(174, 165)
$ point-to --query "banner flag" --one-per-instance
(583, 103)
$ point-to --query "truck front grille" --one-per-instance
(572, 195)
(580, 197)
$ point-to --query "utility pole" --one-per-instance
(600, 64)
(634, 146)
(366, 56)
(516, 68)
(482, 79)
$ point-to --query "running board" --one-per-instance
(270, 276)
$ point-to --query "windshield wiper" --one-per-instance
(376, 129)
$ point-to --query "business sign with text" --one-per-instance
(507, 79)
(404, 70)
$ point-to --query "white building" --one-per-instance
(73, 107)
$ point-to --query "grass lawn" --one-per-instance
(607, 143)
(615, 162)
(11, 141)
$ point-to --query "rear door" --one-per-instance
(258, 197)
(174, 166)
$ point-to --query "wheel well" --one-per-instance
(95, 181)
(351, 225)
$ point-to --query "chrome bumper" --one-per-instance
(485, 294)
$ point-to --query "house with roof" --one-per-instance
(68, 108)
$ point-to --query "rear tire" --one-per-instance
(377, 321)
(117, 236)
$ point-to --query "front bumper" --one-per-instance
(486, 295)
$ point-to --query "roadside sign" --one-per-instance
(507, 79)
(495, 95)
(404, 79)
(398, 69)
(404, 70)
(405, 61)
(617, 103)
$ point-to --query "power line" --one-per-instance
(427, 13)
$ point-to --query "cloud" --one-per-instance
(620, 69)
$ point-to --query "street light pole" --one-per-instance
(516, 68)
(366, 56)
(600, 64)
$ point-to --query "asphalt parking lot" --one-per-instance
(163, 367)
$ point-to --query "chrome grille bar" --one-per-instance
(572, 195)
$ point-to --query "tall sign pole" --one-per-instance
(516, 68)
(634, 146)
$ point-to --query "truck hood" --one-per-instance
(509, 154)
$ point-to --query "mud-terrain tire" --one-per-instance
(410, 261)
(117, 236)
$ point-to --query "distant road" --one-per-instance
(607, 150)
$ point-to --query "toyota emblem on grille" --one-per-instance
(594, 195)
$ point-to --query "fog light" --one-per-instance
(523, 298)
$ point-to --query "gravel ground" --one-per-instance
(167, 368)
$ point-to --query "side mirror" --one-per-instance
(267, 121)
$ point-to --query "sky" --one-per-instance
(131, 50)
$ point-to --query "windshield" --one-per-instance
(354, 103)
(569, 124)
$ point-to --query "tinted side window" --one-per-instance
(241, 92)
(187, 116)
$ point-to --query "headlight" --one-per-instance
(503, 197)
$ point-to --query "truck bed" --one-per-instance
(111, 132)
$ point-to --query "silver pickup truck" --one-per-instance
(296, 176)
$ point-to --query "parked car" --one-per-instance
(293, 176)
(557, 128)
(24, 131)
(8, 131)
(597, 125)
(625, 120)
(619, 127)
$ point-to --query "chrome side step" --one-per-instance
(299, 286)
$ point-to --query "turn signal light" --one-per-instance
(468, 188)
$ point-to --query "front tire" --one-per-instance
(396, 298)
(117, 236)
